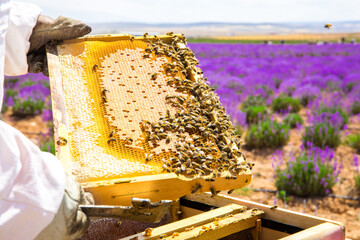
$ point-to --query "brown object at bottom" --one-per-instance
(114, 228)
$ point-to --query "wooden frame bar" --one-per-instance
(213, 224)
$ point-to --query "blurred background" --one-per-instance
(200, 18)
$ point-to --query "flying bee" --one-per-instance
(145, 35)
(62, 141)
(148, 158)
(327, 25)
(170, 33)
(154, 76)
(111, 140)
(95, 67)
(132, 38)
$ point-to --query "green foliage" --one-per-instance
(283, 196)
(267, 134)
(253, 101)
(243, 191)
(307, 175)
(238, 130)
(286, 104)
(306, 99)
(322, 134)
(255, 114)
(357, 182)
(27, 107)
(355, 108)
(353, 140)
(4, 108)
(333, 110)
(48, 145)
(293, 120)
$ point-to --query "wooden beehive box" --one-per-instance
(106, 89)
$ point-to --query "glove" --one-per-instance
(69, 222)
(47, 29)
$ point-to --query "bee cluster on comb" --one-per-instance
(206, 144)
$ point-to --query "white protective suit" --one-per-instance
(31, 182)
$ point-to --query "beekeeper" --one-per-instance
(37, 200)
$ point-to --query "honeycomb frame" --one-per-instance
(107, 190)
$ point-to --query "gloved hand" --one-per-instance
(47, 29)
(69, 222)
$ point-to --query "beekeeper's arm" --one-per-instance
(36, 199)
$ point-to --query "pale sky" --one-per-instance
(188, 11)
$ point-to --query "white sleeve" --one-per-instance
(22, 19)
(31, 182)
(32, 186)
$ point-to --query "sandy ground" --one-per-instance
(342, 210)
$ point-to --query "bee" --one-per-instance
(166, 168)
(230, 191)
(112, 133)
(190, 171)
(103, 95)
(228, 177)
(195, 188)
(168, 139)
(177, 171)
(210, 179)
(62, 141)
(132, 38)
(129, 140)
(145, 35)
(154, 76)
(148, 158)
(148, 232)
(213, 192)
(273, 207)
(327, 25)
(95, 67)
(111, 140)
(162, 236)
(146, 55)
(170, 33)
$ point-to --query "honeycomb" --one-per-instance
(133, 110)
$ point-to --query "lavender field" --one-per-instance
(297, 108)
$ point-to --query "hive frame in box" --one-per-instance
(120, 191)
(274, 223)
